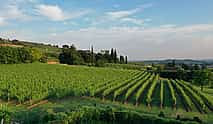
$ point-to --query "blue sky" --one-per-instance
(141, 29)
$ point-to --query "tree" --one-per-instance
(111, 55)
(201, 77)
(196, 67)
(107, 56)
(211, 79)
(159, 68)
(100, 63)
(121, 59)
(65, 46)
(115, 56)
(12, 55)
(181, 73)
(36, 54)
(86, 55)
(92, 55)
(173, 63)
(126, 61)
(185, 66)
(70, 56)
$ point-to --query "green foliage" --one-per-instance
(202, 77)
(161, 114)
(36, 54)
(122, 61)
(93, 115)
(172, 92)
(12, 55)
(111, 83)
(184, 95)
(70, 56)
(204, 96)
(100, 63)
(19, 82)
(117, 85)
(5, 114)
(122, 89)
(161, 92)
(142, 88)
(194, 95)
(137, 85)
(124, 66)
(151, 89)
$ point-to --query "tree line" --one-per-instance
(197, 74)
(70, 55)
(15, 55)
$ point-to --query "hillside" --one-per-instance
(51, 51)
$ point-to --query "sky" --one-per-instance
(140, 29)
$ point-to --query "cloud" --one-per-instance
(2, 21)
(55, 13)
(127, 13)
(52, 12)
(122, 14)
(134, 21)
(12, 11)
(165, 41)
(122, 17)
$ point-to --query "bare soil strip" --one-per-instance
(37, 104)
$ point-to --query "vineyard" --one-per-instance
(35, 82)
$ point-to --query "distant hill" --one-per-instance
(178, 61)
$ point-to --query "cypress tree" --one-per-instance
(115, 56)
(111, 55)
(92, 55)
(121, 59)
(126, 61)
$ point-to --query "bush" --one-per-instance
(5, 114)
(161, 114)
(12, 55)
(70, 56)
(90, 115)
(100, 63)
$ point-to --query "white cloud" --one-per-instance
(122, 17)
(122, 14)
(165, 41)
(134, 21)
(52, 12)
(11, 11)
(2, 21)
(55, 13)
(127, 13)
(14, 12)
(191, 41)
